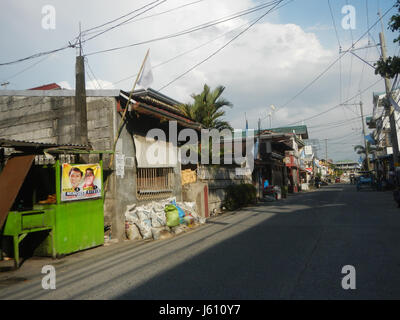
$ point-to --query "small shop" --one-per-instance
(52, 200)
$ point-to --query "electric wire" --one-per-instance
(37, 55)
(153, 15)
(69, 45)
(95, 78)
(336, 106)
(182, 54)
(119, 24)
(192, 29)
(27, 68)
(121, 17)
(334, 25)
(330, 65)
(225, 45)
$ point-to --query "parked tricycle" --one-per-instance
(365, 180)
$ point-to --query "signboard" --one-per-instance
(80, 181)
(308, 150)
(120, 164)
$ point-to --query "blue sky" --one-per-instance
(268, 64)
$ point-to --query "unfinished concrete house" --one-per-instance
(60, 117)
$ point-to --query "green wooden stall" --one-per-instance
(71, 225)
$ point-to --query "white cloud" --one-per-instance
(99, 84)
(268, 64)
(65, 85)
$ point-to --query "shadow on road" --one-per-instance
(297, 256)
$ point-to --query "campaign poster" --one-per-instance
(80, 181)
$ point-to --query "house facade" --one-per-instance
(50, 116)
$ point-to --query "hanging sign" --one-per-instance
(80, 181)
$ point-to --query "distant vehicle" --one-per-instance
(337, 180)
(366, 179)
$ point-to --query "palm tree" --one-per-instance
(370, 148)
(359, 149)
(207, 108)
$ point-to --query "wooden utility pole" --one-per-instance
(388, 106)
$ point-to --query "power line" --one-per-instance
(336, 106)
(76, 40)
(331, 65)
(37, 55)
(155, 15)
(183, 53)
(27, 68)
(334, 25)
(194, 29)
(123, 16)
(119, 24)
(90, 69)
(225, 45)
(336, 125)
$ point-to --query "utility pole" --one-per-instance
(81, 133)
(326, 150)
(388, 106)
(363, 131)
(365, 141)
(260, 190)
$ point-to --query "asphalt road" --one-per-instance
(290, 249)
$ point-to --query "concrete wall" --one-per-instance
(218, 178)
(51, 119)
(48, 116)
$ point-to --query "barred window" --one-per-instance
(154, 183)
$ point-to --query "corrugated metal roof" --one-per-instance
(11, 143)
(301, 130)
(158, 103)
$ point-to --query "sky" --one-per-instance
(289, 58)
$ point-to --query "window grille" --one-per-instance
(154, 183)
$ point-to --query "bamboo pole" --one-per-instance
(123, 117)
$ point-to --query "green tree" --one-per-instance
(360, 149)
(207, 108)
(391, 67)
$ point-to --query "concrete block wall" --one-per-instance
(45, 116)
(49, 117)
(218, 179)
(39, 119)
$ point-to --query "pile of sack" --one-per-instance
(161, 219)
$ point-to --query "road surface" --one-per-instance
(290, 249)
